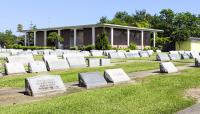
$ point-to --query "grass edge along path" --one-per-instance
(159, 94)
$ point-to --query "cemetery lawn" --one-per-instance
(71, 75)
(159, 94)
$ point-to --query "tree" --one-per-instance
(19, 27)
(102, 42)
(104, 20)
(7, 38)
(53, 37)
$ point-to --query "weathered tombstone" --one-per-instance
(181, 52)
(131, 55)
(197, 62)
(91, 80)
(173, 52)
(4, 54)
(185, 56)
(162, 57)
(14, 68)
(143, 54)
(158, 51)
(108, 51)
(167, 67)
(104, 62)
(23, 59)
(150, 52)
(75, 60)
(93, 62)
(121, 54)
(50, 58)
(174, 56)
(44, 85)
(96, 53)
(116, 75)
(37, 66)
(113, 55)
(86, 53)
(194, 55)
(57, 65)
(57, 53)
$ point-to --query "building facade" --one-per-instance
(192, 44)
(118, 36)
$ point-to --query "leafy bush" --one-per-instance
(132, 46)
(102, 42)
(89, 47)
(16, 46)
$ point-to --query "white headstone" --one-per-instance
(93, 62)
(96, 53)
(174, 56)
(37, 66)
(57, 65)
(132, 55)
(185, 56)
(158, 51)
(91, 80)
(23, 59)
(144, 54)
(167, 67)
(104, 62)
(50, 58)
(197, 62)
(162, 57)
(14, 68)
(75, 60)
(44, 85)
(116, 75)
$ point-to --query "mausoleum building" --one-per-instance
(118, 35)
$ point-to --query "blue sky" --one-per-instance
(51, 13)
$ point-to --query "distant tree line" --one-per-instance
(177, 26)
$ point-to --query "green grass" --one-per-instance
(160, 94)
(72, 74)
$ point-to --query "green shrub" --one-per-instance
(17, 46)
(89, 47)
(102, 42)
(132, 46)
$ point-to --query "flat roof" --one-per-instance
(95, 25)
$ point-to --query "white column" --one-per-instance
(142, 40)
(74, 37)
(111, 34)
(58, 41)
(34, 37)
(93, 35)
(154, 39)
(45, 38)
(128, 37)
(25, 39)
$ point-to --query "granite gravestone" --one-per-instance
(4, 54)
(121, 54)
(50, 58)
(113, 55)
(57, 53)
(158, 51)
(162, 57)
(91, 80)
(131, 55)
(197, 62)
(86, 53)
(185, 56)
(93, 62)
(194, 55)
(44, 85)
(174, 56)
(97, 53)
(57, 65)
(37, 66)
(167, 67)
(14, 68)
(150, 52)
(23, 59)
(104, 62)
(144, 54)
(75, 60)
(116, 75)
(173, 52)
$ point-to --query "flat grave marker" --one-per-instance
(57, 65)
(37, 66)
(167, 67)
(14, 68)
(162, 57)
(44, 85)
(91, 80)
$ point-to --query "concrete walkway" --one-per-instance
(195, 109)
(16, 95)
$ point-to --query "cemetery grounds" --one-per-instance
(162, 93)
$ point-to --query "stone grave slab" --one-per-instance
(144, 54)
(131, 55)
(173, 52)
(150, 52)
(167, 67)
(4, 54)
(93, 62)
(86, 53)
(57, 53)
(194, 55)
(14, 68)
(174, 56)
(44, 85)
(185, 56)
(197, 62)
(162, 57)
(23, 59)
(59, 64)
(75, 60)
(116, 75)
(113, 55)
(97, 53)
(121, 54)
(37, 66)
(91, 80)
(104, 62)
(158, 51)
(50, 58)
